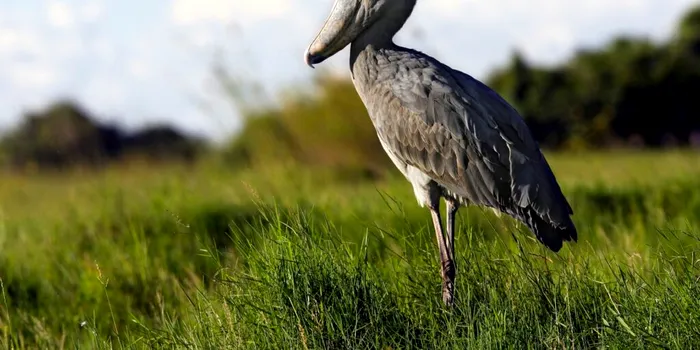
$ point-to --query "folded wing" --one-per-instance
(476, 146)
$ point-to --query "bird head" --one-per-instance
(347, 20)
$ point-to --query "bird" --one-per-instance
(450, 135)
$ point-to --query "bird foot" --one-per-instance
(448, 286)
(448, 294)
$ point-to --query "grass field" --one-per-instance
(205, 257)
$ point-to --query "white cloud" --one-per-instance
(546, 31)
(552, 40)
(13, 40)
(186, 12)
(22, 59)
(60, 14)
(66, 48)
(103, 50)
(492, 10)
(138, 69)
(105, 91)
(32, 76)
(91, 11)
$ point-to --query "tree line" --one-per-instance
(630, 92)
(66, 135)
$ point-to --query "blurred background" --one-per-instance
(94, 82)
(153, 154)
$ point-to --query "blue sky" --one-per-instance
(140, 62)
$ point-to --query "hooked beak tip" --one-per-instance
(311, 59)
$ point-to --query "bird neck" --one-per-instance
(380, 34)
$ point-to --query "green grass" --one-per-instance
(204, 257)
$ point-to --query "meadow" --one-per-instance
(205, 256)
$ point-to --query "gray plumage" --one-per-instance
(449, 134)
(463, 136)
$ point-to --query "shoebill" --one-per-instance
(450, 135)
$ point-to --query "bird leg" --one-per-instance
(447, 270)
(451, 209)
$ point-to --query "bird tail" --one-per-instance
(550, 234)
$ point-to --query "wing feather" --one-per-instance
(475, 145)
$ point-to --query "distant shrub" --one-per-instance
(65, 135)
(331, 128)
